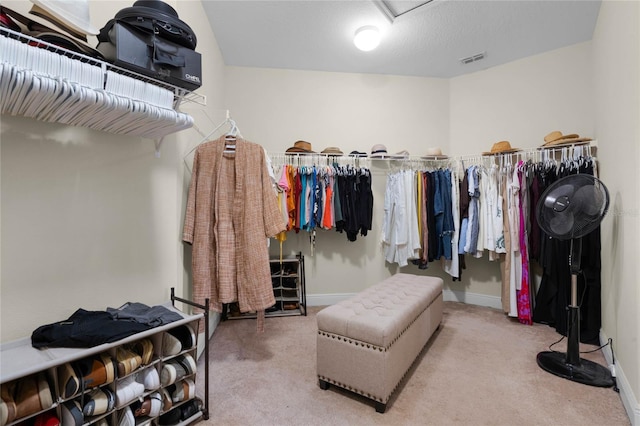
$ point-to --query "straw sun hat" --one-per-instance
(556, 138)
(502, 147)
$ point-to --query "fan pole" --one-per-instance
(571, 366)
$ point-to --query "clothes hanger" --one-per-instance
(230, 138)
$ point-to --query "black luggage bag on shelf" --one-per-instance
(149, 39)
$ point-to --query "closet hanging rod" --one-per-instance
(523, 153)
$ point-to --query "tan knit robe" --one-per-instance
(231, 211)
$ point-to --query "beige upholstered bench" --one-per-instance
(367, 343)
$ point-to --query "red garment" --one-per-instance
(524, 295)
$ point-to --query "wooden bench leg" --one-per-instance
(323, 385)
(380, 407)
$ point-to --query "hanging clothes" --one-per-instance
(554, 294)
(231, 210)
(524, 296)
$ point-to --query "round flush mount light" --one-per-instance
(367, 38)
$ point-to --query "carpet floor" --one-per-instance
(479, 368)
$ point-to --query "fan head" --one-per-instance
(573, 206)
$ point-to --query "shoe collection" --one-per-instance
(32, 394)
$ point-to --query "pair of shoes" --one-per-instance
(32, 394)
(170, 418)
(72, 413)
(167, 401)
(48, 418)
(185, 334)
(144, 348)
(190, 408)
(177, 368)
(128, 361)
(170, 344)
(7, 403)
(289, 282)
(150, 406)
(149, 378)
(128, 389)
(95, 371)
(125, 417)
(68, 380)
(288, 306)
(99, 401)
(289, 293)
(183, 390)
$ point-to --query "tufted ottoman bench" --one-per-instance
(367, 343)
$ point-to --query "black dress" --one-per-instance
(554, 294)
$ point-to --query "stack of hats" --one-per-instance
(61, 23)
(557, 139)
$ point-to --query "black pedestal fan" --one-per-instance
(569, 209)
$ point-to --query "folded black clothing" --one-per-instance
(85, 329)
(153, 316)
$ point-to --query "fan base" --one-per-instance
(586, 372)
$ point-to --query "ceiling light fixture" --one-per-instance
(367, 38)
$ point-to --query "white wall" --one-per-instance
(353, 112)
(524, 100)
(463, 116)
(616, 51)
(90, 219)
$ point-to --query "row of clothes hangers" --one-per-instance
(49, 86)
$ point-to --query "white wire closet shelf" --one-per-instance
(48, 83)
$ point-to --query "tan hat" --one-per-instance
(301, 147)
(378, 150)
(502, 147)
(556, 138)
(332, 150)
(434, 154)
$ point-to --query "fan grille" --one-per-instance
(573, 206)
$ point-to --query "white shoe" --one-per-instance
(170, 344)
(125, 418)
(127, 390)
(156, 404)
(150, 378)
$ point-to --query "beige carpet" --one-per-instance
(478, 369)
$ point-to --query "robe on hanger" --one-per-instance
(231, 211)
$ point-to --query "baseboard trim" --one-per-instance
(629, 400)
(472, 298)
(448, 296)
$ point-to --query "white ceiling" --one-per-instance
(427, 41)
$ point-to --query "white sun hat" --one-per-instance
(72, 13)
